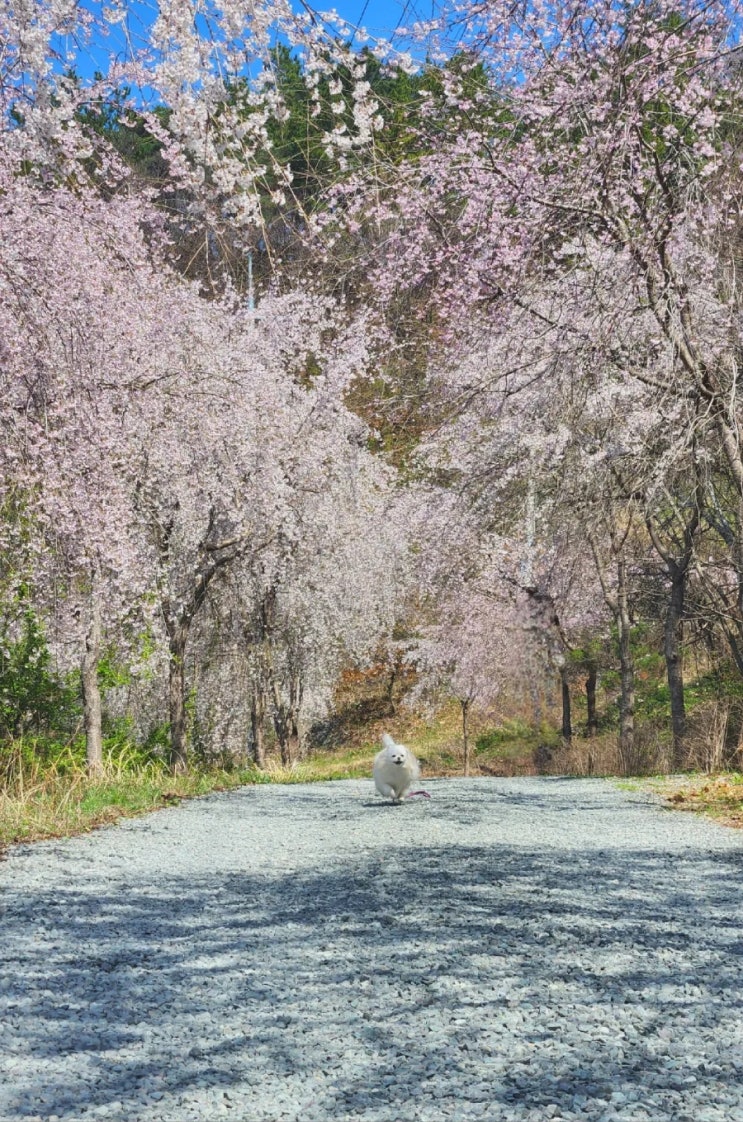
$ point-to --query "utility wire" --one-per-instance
(402, 16)
(359, 21)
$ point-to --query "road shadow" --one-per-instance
(466, 975)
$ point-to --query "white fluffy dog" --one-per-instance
(395, 770)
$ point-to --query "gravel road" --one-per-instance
(516, 949)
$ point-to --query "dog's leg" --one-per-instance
(387, 791)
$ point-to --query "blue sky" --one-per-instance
(380, 18)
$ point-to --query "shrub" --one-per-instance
(32, 697)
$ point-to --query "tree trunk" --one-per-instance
(567, 724)
(465, 736)
(674, 663)
(282, 736)
(593, 722)
(287, 734)
(627, 667)
(281, 726)
(296, 694)
(286, 714)
(177, 699)
(295, 742)
(619, 606)
(92, 708)
(257, 719)
(286, 720)
(678, 558)
(389, 692)
(592, 716)
(179, 613)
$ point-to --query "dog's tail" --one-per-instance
(387, 741)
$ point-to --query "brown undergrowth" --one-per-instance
(60, 800)
(717, 796)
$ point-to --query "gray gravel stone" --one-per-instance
(509, 950)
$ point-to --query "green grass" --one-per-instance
(45, 791)
(350, 763)
(716, 796)
(40, 800)
(514, 741)
(436, 742)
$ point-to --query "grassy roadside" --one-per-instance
(63, 803)
(58, 799)
(717, 796)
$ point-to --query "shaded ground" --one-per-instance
(511, 949)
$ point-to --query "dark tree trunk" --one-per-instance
(285, 713)
(282, 727)
(294, 747)
(257, 721)
(389, 692)
(282, 736)
(674, 663)
(567, 723)
(627, 670)
(677, 559)
(286, 726)
(618, 603)
(296, 695)
(92, 708)
(593, 721)
(214, 557)
(178, 760)
(465, 736)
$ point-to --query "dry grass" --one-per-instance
(436, 739)
(59, 800)
(50, 802)
(720, 796)
(320, 767)
(601, 755)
